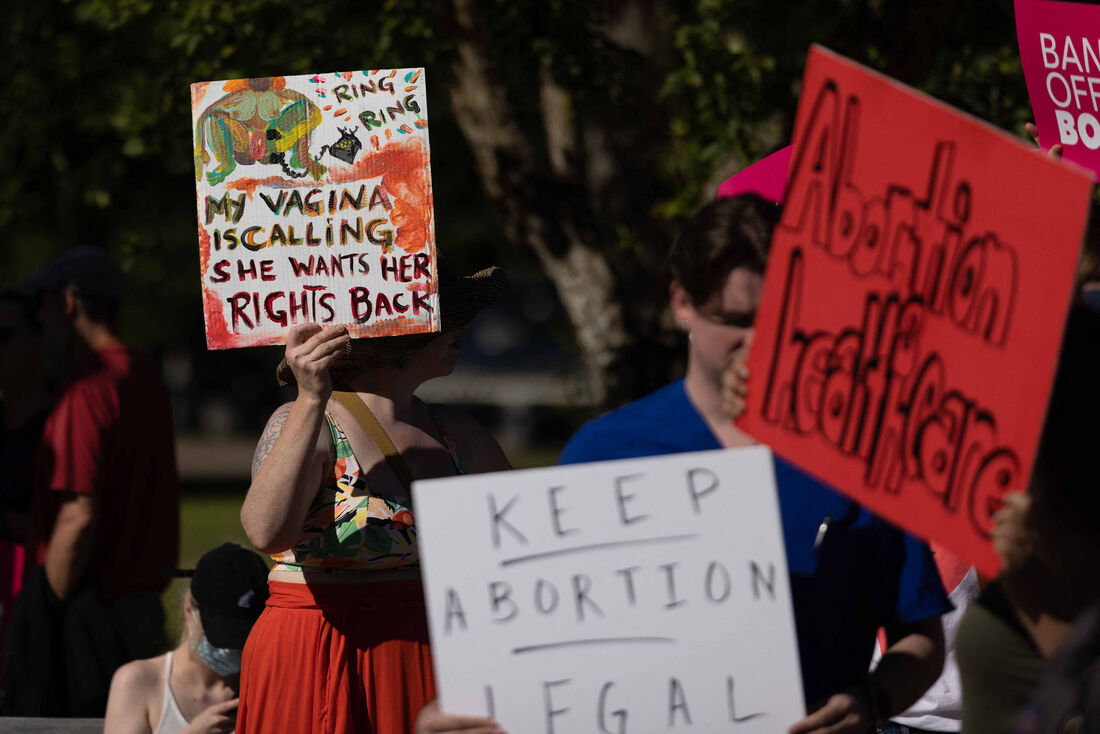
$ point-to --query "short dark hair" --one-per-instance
(723, 235)
(89, 272)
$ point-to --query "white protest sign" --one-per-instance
(315, 204)
(617, 597)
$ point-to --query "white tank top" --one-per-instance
(171, 720)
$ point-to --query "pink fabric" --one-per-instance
(767, 177)
(11, 581)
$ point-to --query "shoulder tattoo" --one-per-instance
(272, 431)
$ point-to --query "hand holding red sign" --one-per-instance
(913, 304)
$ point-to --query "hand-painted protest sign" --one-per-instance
(636, 596)
(767, 177)
(314, 204)
(1060, 52)
(913, 304)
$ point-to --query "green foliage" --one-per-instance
(206, 521)
(97, 134)
(734, 92)
(97, 141)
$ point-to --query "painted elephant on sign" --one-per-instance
(258, 121)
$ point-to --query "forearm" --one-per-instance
(68, 548)
(286, 475)
(912, 663)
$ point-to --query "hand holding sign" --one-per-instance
(433, 721)
(735, 383)
(310, 351)
(843, 713)
(1055, 150)
(1013, 537)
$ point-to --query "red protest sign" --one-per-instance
(913, 304)
(1060, 52)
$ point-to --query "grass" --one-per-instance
(206, 521)
(534, 456)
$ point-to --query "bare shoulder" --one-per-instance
(475, 445)
(140, 673)
(136, 690)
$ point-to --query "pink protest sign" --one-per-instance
(767, 177)
(1060, 52)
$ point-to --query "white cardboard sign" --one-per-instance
(314, 198)
(617, 597)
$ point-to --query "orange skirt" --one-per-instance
(337, 658)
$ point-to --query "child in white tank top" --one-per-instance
(194, 687)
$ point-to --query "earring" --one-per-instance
(683, 325)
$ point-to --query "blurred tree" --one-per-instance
(593, 126)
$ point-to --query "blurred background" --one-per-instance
(568, 138)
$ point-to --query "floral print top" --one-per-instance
(348, 527)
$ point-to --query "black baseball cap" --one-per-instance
(88, 270)
(230, 589)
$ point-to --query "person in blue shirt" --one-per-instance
(850, 572)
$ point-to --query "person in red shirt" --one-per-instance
(104, 530)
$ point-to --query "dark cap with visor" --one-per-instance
(88, 270)
(230, 590)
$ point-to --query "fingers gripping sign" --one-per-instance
(433, 721)
(1013, 534)
(735, 389)
(735, 379)
(310, 350)
(843, 713)
(1055, 151)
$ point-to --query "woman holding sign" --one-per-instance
(850, 572)
(343, 643)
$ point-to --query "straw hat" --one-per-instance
(460, 300)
